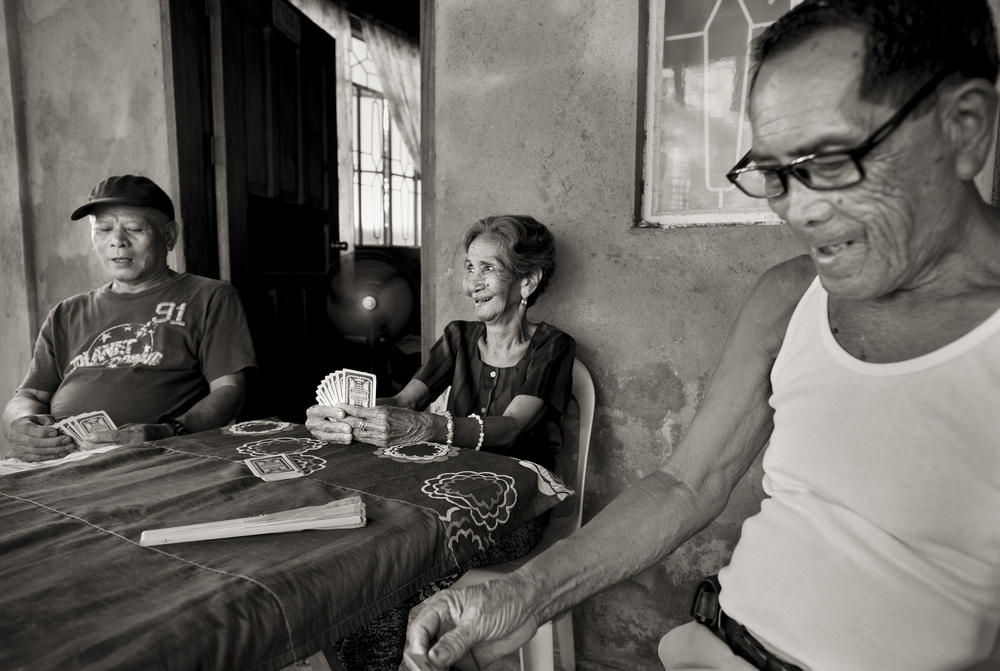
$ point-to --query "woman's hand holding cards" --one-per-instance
(385, 425)
(336, 392)
(324, 422)
(381, 425)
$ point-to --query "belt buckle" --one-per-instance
(705, 609)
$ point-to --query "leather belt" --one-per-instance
(706, 611)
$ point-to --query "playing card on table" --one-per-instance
(273, 467)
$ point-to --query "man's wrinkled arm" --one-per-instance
(222, 404)
(25, 402)
(655, 515)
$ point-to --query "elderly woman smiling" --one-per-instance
(510, 378)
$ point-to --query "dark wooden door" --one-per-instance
(192, 79)
(281, 183)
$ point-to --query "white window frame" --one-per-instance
(651, 147)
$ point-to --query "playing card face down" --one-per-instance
(273, 467)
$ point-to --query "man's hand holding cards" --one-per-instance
(78, 427)
(90, 430)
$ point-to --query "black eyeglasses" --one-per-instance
(823, 171)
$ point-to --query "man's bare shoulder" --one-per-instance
(774, 297)
(786, 281)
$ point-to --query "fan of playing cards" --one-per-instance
(78, 426)
(347, 386)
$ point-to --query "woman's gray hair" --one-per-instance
(526, 246)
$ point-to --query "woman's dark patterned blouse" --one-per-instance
(545, 371)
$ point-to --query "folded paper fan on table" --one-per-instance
(346, 513)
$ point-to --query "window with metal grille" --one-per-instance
(386, 183)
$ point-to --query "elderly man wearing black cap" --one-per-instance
(161, 352)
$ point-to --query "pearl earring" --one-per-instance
(524, 302)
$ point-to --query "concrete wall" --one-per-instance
(86, 79)
(16, 301)
(534, 111)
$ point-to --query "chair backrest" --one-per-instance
(583, 392)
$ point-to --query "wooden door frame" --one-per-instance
(203, 162)
(210, 247)
(187, 66)
(428, 241)
(227, 165)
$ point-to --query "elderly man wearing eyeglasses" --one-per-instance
(870, 369)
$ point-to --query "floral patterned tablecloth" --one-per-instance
(77, 591)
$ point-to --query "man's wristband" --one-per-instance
(177, 427)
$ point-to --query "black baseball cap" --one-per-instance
(134, 190)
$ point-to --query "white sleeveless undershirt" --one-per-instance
(879, 545)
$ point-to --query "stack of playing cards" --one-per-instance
(78, 426)
(273, 467)
(347, 386)
(348, 513)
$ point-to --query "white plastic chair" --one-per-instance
(538, 654)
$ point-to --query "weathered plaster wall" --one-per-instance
(95, 105)
(16, 299)
(92, 93)
(534, 111)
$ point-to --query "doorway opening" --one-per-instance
(264, 135)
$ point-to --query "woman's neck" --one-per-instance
(504, 344)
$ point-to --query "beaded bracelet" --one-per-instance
(481, 432)
(451, 428)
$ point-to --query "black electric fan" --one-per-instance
(373, 302)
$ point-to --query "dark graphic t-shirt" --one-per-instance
(140, 357)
